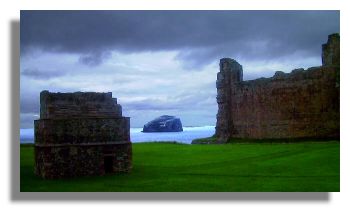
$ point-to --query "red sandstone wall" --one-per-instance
(302, 104)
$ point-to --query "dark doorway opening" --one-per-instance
(108, 163)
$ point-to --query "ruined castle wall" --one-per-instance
(301, 104)
(230, 73)
(81, 134)
(64, 161)
(331, 51)
(79, 104)
(80, 131)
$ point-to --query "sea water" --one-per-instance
(136, 136)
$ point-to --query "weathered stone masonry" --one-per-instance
(81, 134)
(301, 104)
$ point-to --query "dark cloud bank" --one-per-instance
(200, 36)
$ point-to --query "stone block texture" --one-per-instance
(300, 104)
(81, 134)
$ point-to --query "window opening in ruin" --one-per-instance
(108, 164)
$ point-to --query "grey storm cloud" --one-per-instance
(199, 36)
(94, 58)
(193, 100)
(41, 74)
(28, 104)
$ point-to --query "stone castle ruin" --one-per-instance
(300, 104)
(81, 134)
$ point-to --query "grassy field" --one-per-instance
(304, 166)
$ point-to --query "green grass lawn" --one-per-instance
(302, 166)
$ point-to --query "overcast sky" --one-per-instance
(161, 62)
